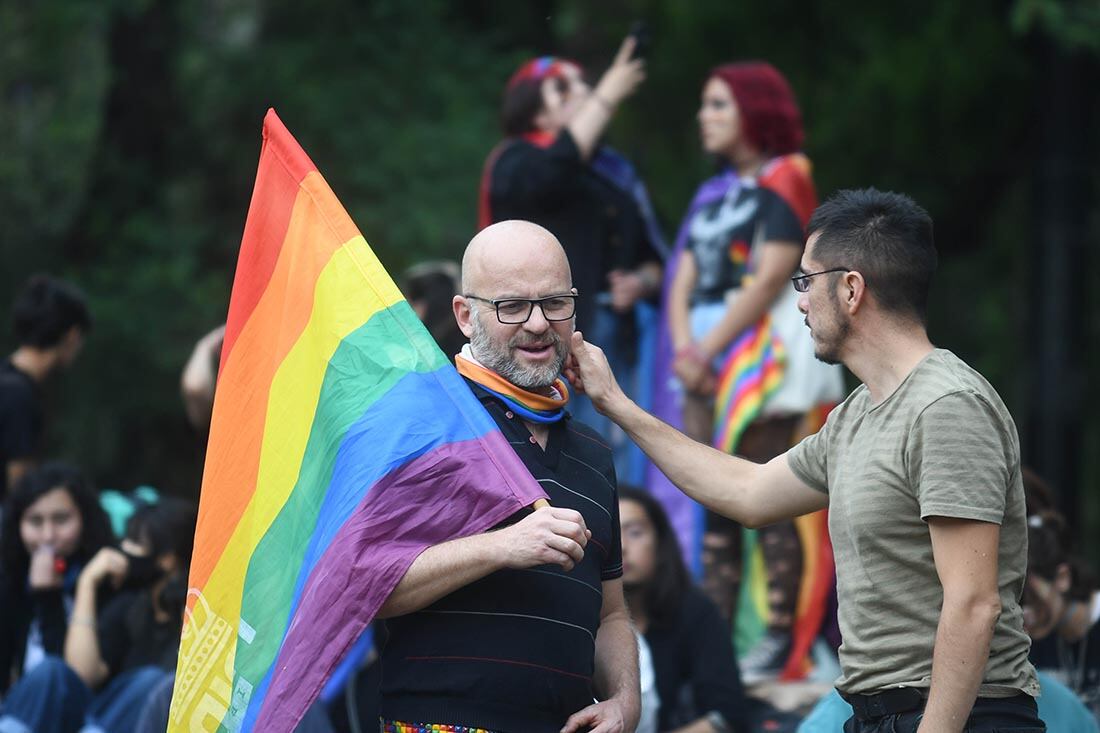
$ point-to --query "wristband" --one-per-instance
(82, 621)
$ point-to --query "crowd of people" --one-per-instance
(652, 542)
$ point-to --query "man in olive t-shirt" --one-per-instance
(919, 467)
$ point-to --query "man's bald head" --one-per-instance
(515, 254)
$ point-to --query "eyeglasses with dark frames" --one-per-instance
(513, 311)
(802, 282)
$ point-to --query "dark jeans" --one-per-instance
(990, 715)
(52, 699)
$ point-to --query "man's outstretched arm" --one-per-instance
(548, 536)
(753, 494)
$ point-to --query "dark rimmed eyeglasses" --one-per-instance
(802, 282)
(513, 311)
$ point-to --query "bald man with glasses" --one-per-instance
(522, 629)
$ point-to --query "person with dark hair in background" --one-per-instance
(116, 652)
(553, 170)
(53, 525)
(1062, 610)
(697, 679)
(429, 287)
(732, 331)
(50, 320)
(919, 468)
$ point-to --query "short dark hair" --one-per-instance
(45, 311)
(167, 525)
(31, 487)
(665, 594)
(521, 102)
(887, 238)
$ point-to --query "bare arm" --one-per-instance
(546, 536)
(752, 493)
(778, 261)
(82, 652)
(199, 377)
(965, 552)
(617, 83)
(679, 301)
(616, 677)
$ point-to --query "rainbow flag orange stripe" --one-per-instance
(343, 443)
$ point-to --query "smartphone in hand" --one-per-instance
(642, 39)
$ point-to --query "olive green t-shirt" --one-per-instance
(943, 444)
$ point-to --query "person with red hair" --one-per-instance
(738, 367)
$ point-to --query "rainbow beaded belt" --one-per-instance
(396, 726)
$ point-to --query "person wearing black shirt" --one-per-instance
(553, 169)
(50, 319)
(697, 678)
(521, 629)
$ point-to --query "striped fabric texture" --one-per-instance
(941, 445)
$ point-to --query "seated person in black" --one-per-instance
(116, 653)
(140, 626)
(697, 678)
(52, 526)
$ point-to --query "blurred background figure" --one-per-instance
(199, 377)
(52, 527)
(429, 288)
(697, 681)
(736, 366)
(1062, 610)
(50, 320)
(553, 169)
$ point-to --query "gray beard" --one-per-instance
(530, 378)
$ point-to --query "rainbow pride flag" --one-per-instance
(343, 444)
(751, 372)
(814, 587)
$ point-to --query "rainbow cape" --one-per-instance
(343, 443)
(752, 372)
(814, 587)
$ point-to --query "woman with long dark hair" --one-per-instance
(697, 678)
(53, 525)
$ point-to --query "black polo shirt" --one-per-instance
(515, 651)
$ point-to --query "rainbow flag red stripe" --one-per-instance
(343, 443)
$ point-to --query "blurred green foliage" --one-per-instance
(129, 134)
